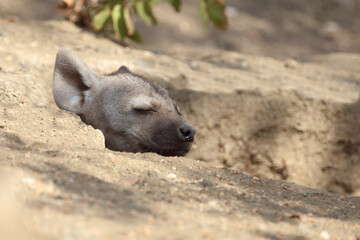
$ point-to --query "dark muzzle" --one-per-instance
(186, 132)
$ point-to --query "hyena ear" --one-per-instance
(72, 77)
(122, 69)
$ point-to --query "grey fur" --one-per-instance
(134, 114)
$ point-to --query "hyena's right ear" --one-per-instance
(72, 77)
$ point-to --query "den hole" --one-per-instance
(278, 135)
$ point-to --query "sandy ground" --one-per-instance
(260, 121)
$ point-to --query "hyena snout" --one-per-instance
(186, 132)
(171, 138)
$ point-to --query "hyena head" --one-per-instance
(134, 114)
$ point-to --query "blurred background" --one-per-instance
(275, 28)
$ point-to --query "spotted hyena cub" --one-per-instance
(134, 113)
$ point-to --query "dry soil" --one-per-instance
(276, 155)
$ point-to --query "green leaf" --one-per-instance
(140, 11)
(101, 18)
(203, 14)
(176, 4)
(129, 23)
(149, 12)
(216, 11)
(119, 21)
(136, 37)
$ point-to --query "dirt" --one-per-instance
(277, 150)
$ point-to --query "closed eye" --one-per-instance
(178, 110)
(144, 110)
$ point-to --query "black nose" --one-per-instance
(186, 132)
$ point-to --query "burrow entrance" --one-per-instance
(279, 135)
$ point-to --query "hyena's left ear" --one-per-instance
(123, 69)
(72, 77)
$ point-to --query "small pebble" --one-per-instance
(231, 183)
(28, 180)
(194, 65)
(324, 235)
(171, 176)
(152, 173)
(291, 63)
(213, 203)
(128, 191)
(206, 183)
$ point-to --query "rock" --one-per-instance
(28, 180)
(171, 176)
(206, 183)
(324, 235)
(291, 63)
